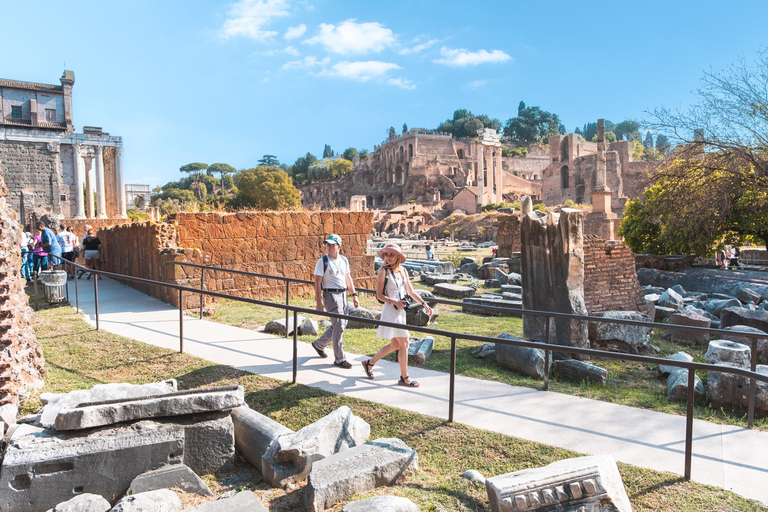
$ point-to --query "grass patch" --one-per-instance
(78, 357)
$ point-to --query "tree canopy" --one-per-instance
(269, 161)
(267, 188)
(466, 124)
(532, 125)
(194, 169)
(222, 169)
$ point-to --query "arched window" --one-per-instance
(460, 154)
(402, 154)
(410, 151)
(564, 176)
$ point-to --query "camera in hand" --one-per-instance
(408, 301)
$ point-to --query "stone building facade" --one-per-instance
(429, 168)
(47, 164)
(571, 173)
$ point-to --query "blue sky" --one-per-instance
(222, 81)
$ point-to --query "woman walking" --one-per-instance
(392, 288)
(92, 246)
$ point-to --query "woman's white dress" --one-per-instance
(395, 286)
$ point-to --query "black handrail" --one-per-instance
(753, 376)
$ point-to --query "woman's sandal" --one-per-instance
(412, 384)
(367, 365)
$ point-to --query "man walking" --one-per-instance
(332, 281)
(50, 244)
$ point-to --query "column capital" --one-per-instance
(119, 150)
(77, 148)
(99, 149)
(54, 147)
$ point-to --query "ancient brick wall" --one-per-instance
(610, 279)
(35, 169)
(508, 237)
(283, 244)
(21, 356)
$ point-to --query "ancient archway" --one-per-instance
(564, 177)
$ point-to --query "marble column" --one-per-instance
(480, 175)
(101, 203)
(88, 159)
(78, 167)
(121, 207)
(499, 177)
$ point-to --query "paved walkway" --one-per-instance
(725, 456)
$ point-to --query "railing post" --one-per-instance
(202, 287)
(295, 344)
(689, 423)
(96, 298)
(37, 301)
(181, 322)
(547, 355)
(452, 389)
(77, 295)
(752, 367)
(287, 303)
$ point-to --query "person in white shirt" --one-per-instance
(333, 279)
(67, 241)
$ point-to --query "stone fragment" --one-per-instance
(433, 279)
(209, 441)
(418, 350)
(469, 268)
(478, 305)
(685, 335)
(671, 299)
(485, 351)
(8, 414)
(680, 356)
(512, 288)
(162, 500)
(579, 371)
(244, 501)
(381, 504)
(679, 290)
(361, 313)
(747, 295)
(167, 477)
(101, 393)
(743, 316)
(454, 290)
(652, 297)
(729, 390)
(716, 306)
(377, 463)
(97, 414)
(290, 457)
(528, 361)
(724, 351)
(513, 278)
(500, 276)
(580, 484)
(762, 343)
(492, 283)
(308, 327)
(626, 338)
(278, 326)
(661, 314)
(84, 503)
(677, 386)
(254, 432)
(474, 476)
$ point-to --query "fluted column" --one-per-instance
(79, 170)
(499, 177)
(89, 185)
(121, 211)
(101, 203)
(480, 175)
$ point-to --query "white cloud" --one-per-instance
(306, 62)
(294, 32)
(248, 18)
(475, 84)
(362, 71)
(461, 58)
(419, 47)
(401, 83)
(289, 50)
(350, 37)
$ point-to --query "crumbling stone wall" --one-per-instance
(610, 279)
(22, 366)
(508, 237)
(284, 244)
(37, 174)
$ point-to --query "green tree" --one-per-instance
(327, 151)
(319, 171)
(269, 161)
(223, 170)
(663, 145)
(267, 188)
(405, 128)
(392, 133)
(648, 142)
(531, 124)
(227, 182)
(349, 154)
(340, 167)
(194, 169)
(627, 130)
(466, 124)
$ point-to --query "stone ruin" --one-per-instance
(22, 366)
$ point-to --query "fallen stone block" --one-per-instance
(473, 476)
(528, 361)
(729, 390)
(417, 316)
(680, 356)
(514, 278)
(661, 314)
(500, 276)
(747, 295)
(512, 288)
(361, 313)
(278, 326)
(84, 503)
(163, 500)
(580, 484)
(492, 283)
(469, 268)
(168, 477)
(454, 291)
(209, 441)
(42, 468)
(433, 279)
(724, 351)
(625, 338)
(671, 299)
(289, 458)
(478, 305)
(381, 504)
(677, 386)
(418, 349)
(308, 327)
(100, 393)
(377, 463)
(243, 501)
(515, 297)
(580, 371)
(743, 316)
(762, 343)
(8, 415)
(254, 432)
(685, 335)
(716, 306)
(97, 414)
(485, 351)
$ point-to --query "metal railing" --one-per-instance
(546, 346)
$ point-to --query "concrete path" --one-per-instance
(725, 456)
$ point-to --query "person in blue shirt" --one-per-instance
(50, 244)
